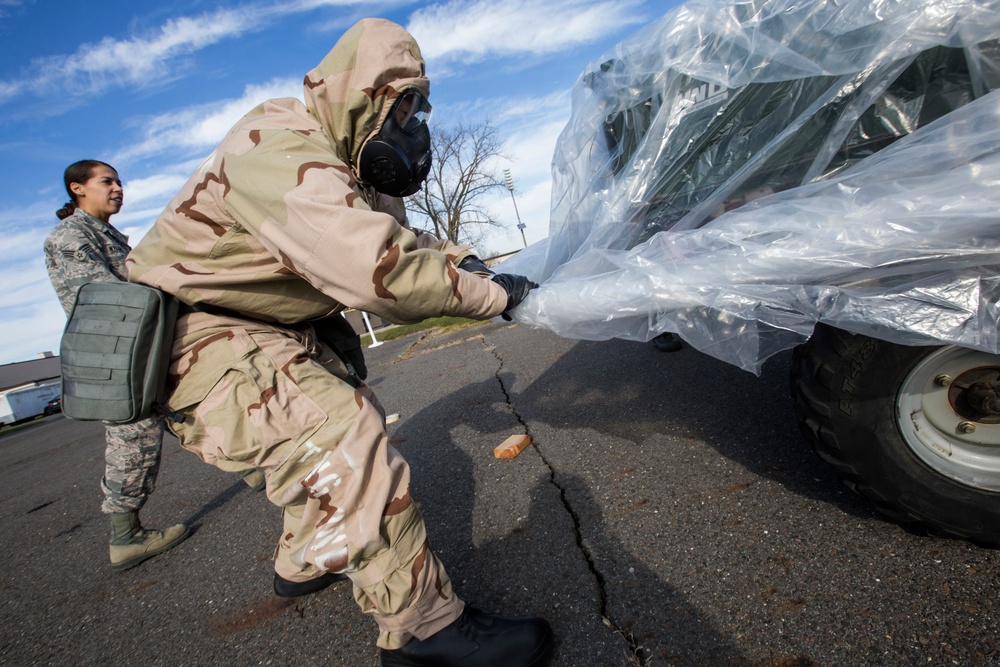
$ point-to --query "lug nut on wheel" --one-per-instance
(967, 427)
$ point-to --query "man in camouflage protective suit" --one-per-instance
(293, 218)
(83, 248)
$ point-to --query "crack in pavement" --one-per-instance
(634, 648)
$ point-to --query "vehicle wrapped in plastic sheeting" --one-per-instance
(810, 161)
(822, 175)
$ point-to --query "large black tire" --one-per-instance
(895, 423)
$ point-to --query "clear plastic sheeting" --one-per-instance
(736, 173)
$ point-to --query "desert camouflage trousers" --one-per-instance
(131, 462)
(344, 491)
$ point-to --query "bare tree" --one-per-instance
(461, 175)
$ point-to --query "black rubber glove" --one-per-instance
(473, 264)
(517, 288)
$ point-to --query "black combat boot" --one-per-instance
(293, 589)
(668, 342)
(479, 639)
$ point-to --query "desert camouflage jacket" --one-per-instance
(82, 249)
(274, 224)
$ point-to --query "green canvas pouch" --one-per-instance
(115, 352)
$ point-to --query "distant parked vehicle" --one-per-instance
(53, 407)
(23, 403)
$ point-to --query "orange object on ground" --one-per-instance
(512, 446)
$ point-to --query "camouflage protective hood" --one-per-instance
(274, 226)
(352, 89)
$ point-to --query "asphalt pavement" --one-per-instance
(668, 512)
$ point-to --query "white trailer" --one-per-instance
(26, 402)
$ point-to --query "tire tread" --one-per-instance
(815, 388)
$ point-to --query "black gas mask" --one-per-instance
(397, 159)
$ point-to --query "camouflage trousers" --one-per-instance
(131, 462)
(287, 407)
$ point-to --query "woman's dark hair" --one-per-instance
(78, 172)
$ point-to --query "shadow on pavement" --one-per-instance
(558, 560)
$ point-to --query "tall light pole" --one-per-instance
(510, 186)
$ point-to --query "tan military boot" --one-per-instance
(131, 543)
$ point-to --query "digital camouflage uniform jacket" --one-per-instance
(82, 249)
(79, 250)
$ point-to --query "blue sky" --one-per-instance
(152, 87)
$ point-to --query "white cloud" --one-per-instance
(152, 189)
(28, 286)
(138, 58)
(476, 30)
(531, 151)
(32, 317)
(147, 58)
(10, 89)
(32, 330)
(24, 230)
(135, 61)
(27, 215)
(530, 126)
(22, 248)
(520, 109)
(203, 126)
(8, 7)
(306, 5)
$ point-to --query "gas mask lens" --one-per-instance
(411, 111)
(398, 158)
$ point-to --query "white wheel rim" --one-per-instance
(935, 432)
